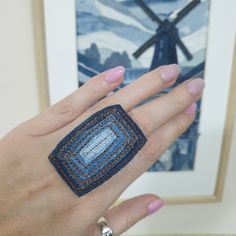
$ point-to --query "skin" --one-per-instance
(34, 200)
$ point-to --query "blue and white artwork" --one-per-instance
(142, 35)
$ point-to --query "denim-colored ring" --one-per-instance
(97, 149)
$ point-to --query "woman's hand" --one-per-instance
(34, 200)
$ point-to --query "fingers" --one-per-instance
(155, 113)
(160, 140)
(130, 95)
(157, 143)
(128, 213)
(147, 85)
(76, 103)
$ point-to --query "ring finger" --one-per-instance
(155, 113)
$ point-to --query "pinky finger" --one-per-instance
(128, 213)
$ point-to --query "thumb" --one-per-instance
(131, 211)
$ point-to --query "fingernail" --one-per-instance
(114, 74)
(191, 109)
(169, 73)
(155, 206)
(196, 86)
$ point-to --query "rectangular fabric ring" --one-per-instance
(97, 149)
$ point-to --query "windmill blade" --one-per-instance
(153, 39)
(145, 46)
(185, 11)
(193, 72)
(182, 47)
(161, 23)
(148, 11)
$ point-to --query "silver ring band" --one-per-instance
(104, 227)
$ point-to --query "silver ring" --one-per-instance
(104, 227)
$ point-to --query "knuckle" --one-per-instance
(99, 105)
(130, 221)
(64, 109)
(92, 88)
(180, 100)
(181, 97)
(152, 149)
(181, 125)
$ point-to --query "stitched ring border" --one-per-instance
(75, 171)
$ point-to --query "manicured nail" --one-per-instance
(196, 86)
(170, 72)
(114, 74)
(155, 206)
(191, 109)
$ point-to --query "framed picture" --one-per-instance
(77, 39)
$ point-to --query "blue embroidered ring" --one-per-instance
(97, 149)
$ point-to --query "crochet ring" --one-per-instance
(97, 149)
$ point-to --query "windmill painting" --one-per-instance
(142, 35)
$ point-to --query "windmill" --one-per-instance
(166, 37)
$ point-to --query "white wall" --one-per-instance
(18, 91)
(19, 101)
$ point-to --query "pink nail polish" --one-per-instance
(169, 72)
(114, 74)
(196, 86)
(191, 109)
(155, 206)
